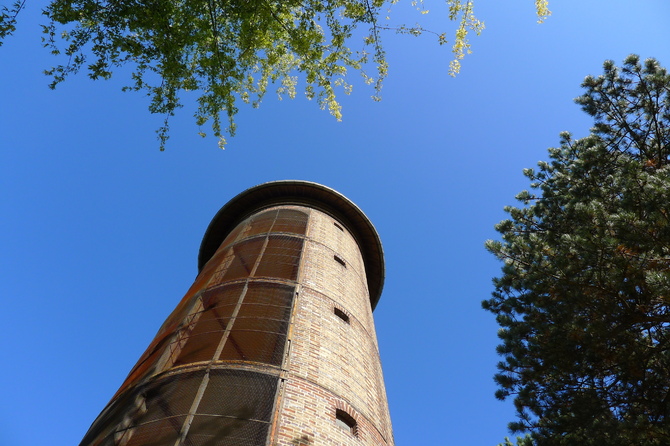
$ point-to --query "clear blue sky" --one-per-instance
(100, 231)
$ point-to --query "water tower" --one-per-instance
(274, 343)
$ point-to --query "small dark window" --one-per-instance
(342, 315)
(340, 261)
(346, 422)
(338, 227)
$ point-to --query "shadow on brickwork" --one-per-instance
(301, 441)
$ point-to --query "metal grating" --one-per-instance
(240, 313)
(256, 332)
(217, 407)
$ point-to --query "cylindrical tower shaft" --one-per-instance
(274, 343)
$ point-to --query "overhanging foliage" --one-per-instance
(229, 52)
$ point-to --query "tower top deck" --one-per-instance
(306, 193)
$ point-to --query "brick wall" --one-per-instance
(333, 364)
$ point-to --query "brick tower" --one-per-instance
(274, 343)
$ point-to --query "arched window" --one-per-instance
(341, 314)
(340, 260)
(346, 422)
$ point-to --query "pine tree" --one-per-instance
(584, 297)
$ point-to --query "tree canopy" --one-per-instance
(231, 51)
(584, 297)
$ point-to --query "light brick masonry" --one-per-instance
(332, 364)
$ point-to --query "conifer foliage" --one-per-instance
(584, 297)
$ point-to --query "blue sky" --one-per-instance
(100, 231)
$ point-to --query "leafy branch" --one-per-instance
(231, 51)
